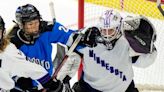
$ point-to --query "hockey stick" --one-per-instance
(159, 7)
(60, 49)
(71, 49)
(52, 11)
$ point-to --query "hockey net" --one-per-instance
(149, 79)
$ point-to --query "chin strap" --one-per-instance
(26, 38)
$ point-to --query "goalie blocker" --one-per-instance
(140, 34)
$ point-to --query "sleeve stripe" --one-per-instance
(44, 79)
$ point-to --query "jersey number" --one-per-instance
(63, 28)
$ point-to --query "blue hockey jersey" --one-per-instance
(40, 52)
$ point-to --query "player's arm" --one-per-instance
(141, 59)
(25, 70)
(21, 67)
(89, 37)
(67, 36)
(59, 33)
(141, 35)
(6, 81)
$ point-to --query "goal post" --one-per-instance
(80, 14)
(152, 77)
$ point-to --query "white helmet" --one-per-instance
(110, 20)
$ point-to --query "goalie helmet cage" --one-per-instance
(149, 79)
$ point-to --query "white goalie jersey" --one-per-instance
(13, 63)
(111, 70)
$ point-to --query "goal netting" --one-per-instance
(151, 78)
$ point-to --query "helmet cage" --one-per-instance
(110, 20)
(109, 37)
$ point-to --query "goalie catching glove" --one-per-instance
(140, 34)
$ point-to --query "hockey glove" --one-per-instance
(24, 83)
(140, 34)
(56, 86)
(90, 37)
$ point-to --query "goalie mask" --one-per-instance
(2, 29)
(110, 27)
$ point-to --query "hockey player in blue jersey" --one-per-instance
(34, 37)
(120, 43)
(13, 63)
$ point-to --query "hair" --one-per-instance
(3, 45)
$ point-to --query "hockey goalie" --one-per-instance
(123, 42)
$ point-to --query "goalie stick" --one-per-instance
(60, 49)
(77, 40)
(52, 11)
